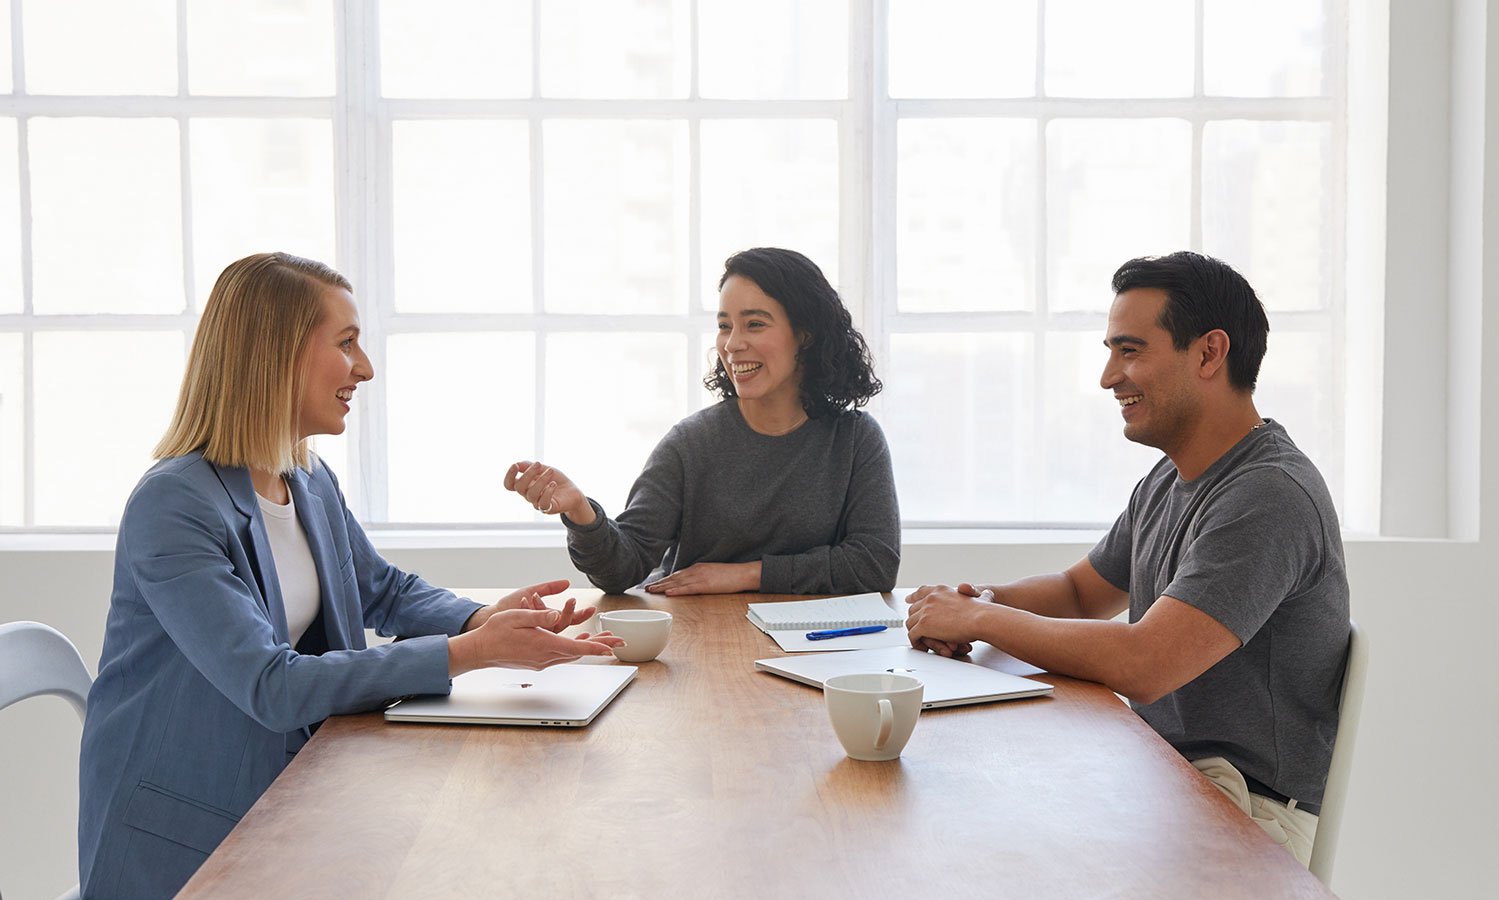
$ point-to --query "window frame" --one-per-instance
(866, 119)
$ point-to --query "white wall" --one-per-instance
(1419, 820)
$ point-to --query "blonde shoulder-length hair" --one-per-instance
(239, 402)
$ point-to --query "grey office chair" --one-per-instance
(36, 659)
(1330, 822)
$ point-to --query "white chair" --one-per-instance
(1325, 846)
(36, 659)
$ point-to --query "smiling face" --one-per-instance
(757, 345)
(1155, 383)
(333, 365)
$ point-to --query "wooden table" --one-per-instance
(706, 778)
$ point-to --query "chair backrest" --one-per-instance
(36, 659)
(1330, 822)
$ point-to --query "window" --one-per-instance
(534, 200)
(1032, 154)
(140, 152)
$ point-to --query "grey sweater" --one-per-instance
(816, 507)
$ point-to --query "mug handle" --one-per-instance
(887, 724)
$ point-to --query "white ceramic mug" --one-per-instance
(645, 632)
(873, 714)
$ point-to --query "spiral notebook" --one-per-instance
(833, 612)
(788, 622)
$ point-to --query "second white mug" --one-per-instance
(645, 632)
(873, 714)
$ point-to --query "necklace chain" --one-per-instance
(790, 428)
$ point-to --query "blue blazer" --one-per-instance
(201, 700)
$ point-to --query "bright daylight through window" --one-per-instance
(534, 199)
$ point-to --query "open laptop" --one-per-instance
(946, 682)
(568, 696)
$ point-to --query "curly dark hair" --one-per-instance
(837, 370)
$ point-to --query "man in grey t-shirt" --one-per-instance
(1228, 559)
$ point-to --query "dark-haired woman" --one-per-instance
(782, 487)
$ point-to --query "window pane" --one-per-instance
(1105, 48)
(616, 222)
(1299, 388)
(259, 185)
(962, 48)
(126, 47)
(103, 400)
(1085, 469)
(334, 449)
(614, 48)
(462, 219)
(12, 433)
(1270, 48)
(974, 393)
(634, 407)
(1116, 189)
(106, 211)
(460, 410)
(965, 214)
(768, 184)
(11, 300)
(1265, 207)
(773, 49)
(261, 48)
(702, 364)
(455, 48)
(6, 83)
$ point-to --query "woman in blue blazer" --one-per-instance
(243, 586)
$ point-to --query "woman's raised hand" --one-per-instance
(549, 491)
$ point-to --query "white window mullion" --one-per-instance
(538, 277)
(28, 384)
(28, 416)
(537, 115)
(1194, 189)
(696, 288)
(868, 150)
(361, 155)
(1336, 85)
(1043, 321)
(1043, 315)
(184, 153)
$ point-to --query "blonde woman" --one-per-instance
(243, 587)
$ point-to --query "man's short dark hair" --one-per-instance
(1203, 294)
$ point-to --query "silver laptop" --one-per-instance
(946, 682)
(568, 696)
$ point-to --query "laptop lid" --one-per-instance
(946, 682)
(568, 696)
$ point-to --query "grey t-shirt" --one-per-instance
(816, 507)
(1254, 543)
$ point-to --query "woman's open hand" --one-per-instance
(524, 639)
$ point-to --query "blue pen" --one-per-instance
(845, 632)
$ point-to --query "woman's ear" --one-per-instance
(804, 339)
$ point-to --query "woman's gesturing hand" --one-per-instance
(524, 639)
(530, 598)
(549, 491)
